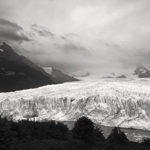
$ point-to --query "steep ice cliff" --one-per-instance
(124, 103)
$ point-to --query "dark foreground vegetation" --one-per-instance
(50, 135)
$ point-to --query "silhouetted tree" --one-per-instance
(98, 135)
(146, 142)
(6, 135)
(83, 130)
(117, 136)
(52, 135)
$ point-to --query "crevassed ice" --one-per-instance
(124, 103)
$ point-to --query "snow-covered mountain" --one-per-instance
(138, 72)
(80, 74)
(142, 72)
(92, 75)
(110, 102)
(17, 72)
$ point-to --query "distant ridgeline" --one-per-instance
(142, 72)
(17, 72)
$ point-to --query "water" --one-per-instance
(132, 134)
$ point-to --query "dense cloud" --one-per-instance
(41, 30)
(110, 34)
(11, 31)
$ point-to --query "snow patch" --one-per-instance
(1, 50)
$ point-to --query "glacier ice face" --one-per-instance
(124, 103)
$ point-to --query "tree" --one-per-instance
(83, 130)
(6, 135)
(98, 135)
(146, 142)
(117, 136)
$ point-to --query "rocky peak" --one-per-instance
(142, 72)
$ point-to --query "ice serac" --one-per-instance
(124, 103)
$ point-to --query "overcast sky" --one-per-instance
(107, 34)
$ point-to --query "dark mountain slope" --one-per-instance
(59, 76)
(17, 72)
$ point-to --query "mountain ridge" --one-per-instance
(17, 72)
(59, 76)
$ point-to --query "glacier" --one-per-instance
(110, 102)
